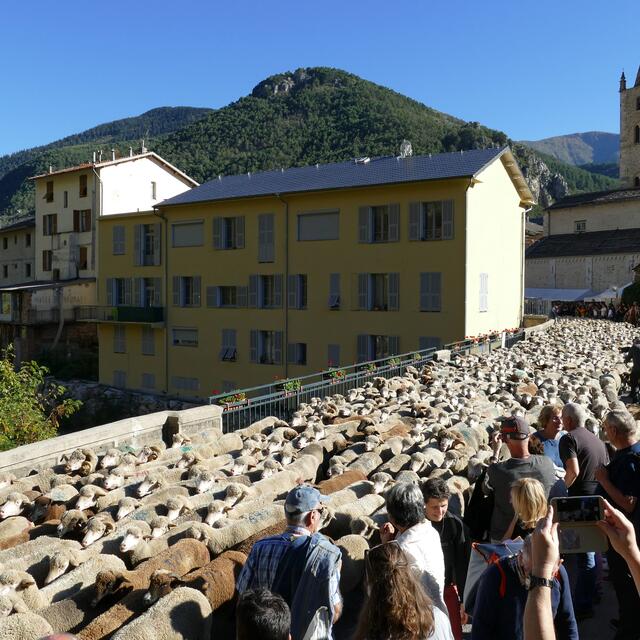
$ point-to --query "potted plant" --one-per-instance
(394, 362)
(336, 374)
(233, 398)
(291, 386)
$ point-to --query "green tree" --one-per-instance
(30, 405)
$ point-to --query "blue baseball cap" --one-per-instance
(303, 498)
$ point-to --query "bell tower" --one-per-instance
(630, 133)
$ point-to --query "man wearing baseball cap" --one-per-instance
(301, 565)
(515, 432)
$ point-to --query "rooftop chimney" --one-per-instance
(94, 157)
(143, 148)
(50, 168)
(131, 152)
(113, 154)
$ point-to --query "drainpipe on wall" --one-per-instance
(285, 346)
(97, 207)
(59, 293)
(166, 299)
(522, 262)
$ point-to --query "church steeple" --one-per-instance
(637, 84)
(623, 83)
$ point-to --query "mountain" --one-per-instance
(590, 148)
(315, 115)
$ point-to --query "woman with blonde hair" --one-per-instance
(529, 501)
(397, 607)
(547, 439)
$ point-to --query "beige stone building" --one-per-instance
(17, 252)
(630, 132)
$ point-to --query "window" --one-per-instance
(484, 292)
(318, 226)
(119, 378)
(431, 220)
(118, 292)
(5, 270)
(185, 384)
(48, 196)
(187, 234)
(297, 353)
(50, 224)
(5, 243)
(27, 240)
(636, 182)
(82, 220)
(376, 347)
(65, 199)
(47, 259)
(298, 291)
(228, 385)
(378, 291)
(27, 269)
(147, 292)
(228, 233)
(637, 134)
(228, 348)
(580, 226)
(379, 223)
(119, 338)
(185, 337)
(227, 297)
(429, 342)
(118, 240)
(148, 381)
(82, 191)
(266, 237)
(431, 292)
(148, 341)
(186, 291)
(154, 192)
(334, 291)
(83, 258)
(265, 292)
(333, 355)
(266, 347)
(147, 239)
(637, 104)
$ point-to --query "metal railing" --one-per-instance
(282, 397)
(38, 316)
(537, 307)
(145, 315)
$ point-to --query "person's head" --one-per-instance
(397, 605)
(550, 420)
(529, 501)
(405, 505)
(303, 507)
(620, 427)
(262, 614)
(515, 434)
(573, 416)
(436, 498)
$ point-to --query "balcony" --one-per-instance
(137, 315)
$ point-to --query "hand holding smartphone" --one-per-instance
(577, 519)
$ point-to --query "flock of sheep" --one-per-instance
(148, 545)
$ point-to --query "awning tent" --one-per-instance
(562, 295)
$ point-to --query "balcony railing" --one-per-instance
(143, 315)
(38, 316)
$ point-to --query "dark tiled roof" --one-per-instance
(21, 224)
(597, 197)
(586, 244)
(341, 175)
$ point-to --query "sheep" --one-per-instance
(126, 506)
(340, 518)
(61, 559)
(365, 527)
(176, 506)
(353, 548)
(160, 525)
(395, 464)
(72, 520)
(381, 482)
(96, 528)
(367, 463)
(341, 482)
(14, 504)
(149, 453)
(138, 548)
(24, 626)
(14, 582)
(270, 467)
(350, 494)
(14, 526)
(11, 603)
(87, 496)
(6, 479)
(184, 613)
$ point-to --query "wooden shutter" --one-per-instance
(138, 292)
(364, 224)
(292, 353)
(253, 346)
(266, 249)
(217, 233)
(253, 291)
(430, 291)
(292, 286)
(363, 348)
(277, 350)
(157, 292)
(277, 290)
(213, 296)
(176, 291)
(241, 296)
(333, 355)
(127, 291)
(137, 254)
(239, 239)
(394, 345)
(110, 285)
(363, 291)
(197, 283)
(76, 220)
(415, 210)
(436, 291)
(157, 238)
(447, 220)
(394, 222)
(394, 292)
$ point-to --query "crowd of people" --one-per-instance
(617, 312)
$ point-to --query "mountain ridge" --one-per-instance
(585, 148)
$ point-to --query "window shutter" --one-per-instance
(109, 292)
(76, 220)
(176, 291)
(394, 291)
(484, 292)
(266, 251)
(363, 348)
(197, 283)
(414, 220)
(334, 290)
(253, 291)
(447, 220)
(138, 292)
(292, 353)
(239, 240)
(394, 345)
(333, 355)
(213, 296)
(424, 291)
(436, 291)
(157, 237)
(157, 292)
(293, 292)
(394, 222)
(241, 296)
(217, 233)
(277, 351)
(127, 291)
(277, 290)
(253, 347)
(137, 255)
(363, 291)
(364, 224)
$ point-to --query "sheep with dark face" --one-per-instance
(72, 521)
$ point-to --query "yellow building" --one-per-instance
(17, 252)
(282, 273)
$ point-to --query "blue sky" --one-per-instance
(531, 69)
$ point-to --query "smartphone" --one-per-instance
(577, 517)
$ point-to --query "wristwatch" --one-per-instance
(535, 581)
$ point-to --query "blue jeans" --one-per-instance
(585, 587)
